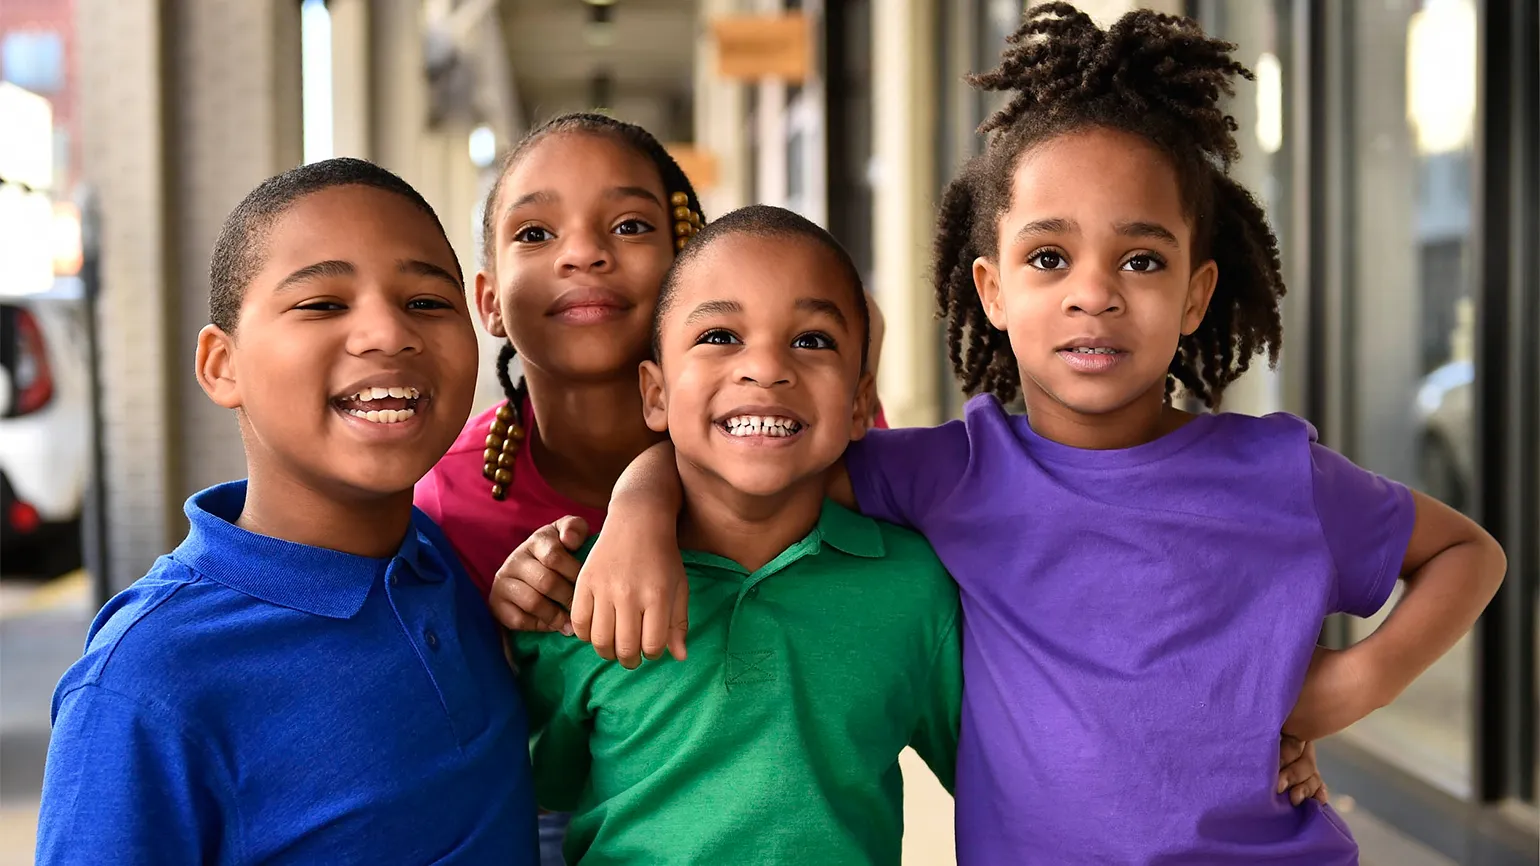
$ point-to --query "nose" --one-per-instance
(766, 366)
(1094, 293)
(583, 250)
(380, 325)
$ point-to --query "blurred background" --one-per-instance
(1393, 142)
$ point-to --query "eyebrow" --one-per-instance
(708, 309)
(317, 271)
(825, 306)
(546, 196)
(1130, 229)
(427, 269)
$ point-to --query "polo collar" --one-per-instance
(315, 580)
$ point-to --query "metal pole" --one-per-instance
(94, 526)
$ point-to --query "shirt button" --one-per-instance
(432, 638)
(395, 580)
(754, 592)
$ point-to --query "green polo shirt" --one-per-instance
(777, 740)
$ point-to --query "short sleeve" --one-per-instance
(935, 737)
(122, 777)
(905, 475)
(560, 727)
(1367, 520)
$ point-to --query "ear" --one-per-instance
(215, 367)
(1200, 290)
(487, 306)
(654, 397)
(866, 406)
(986, 280)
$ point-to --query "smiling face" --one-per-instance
(760, 384)
(1096, 279)
(581, 244)
(353, 361)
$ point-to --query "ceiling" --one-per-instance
(650, 54)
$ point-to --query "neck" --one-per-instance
(749, 530)
(1142, 420)
(288, 509)
(586, 434)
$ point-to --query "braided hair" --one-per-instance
(633, 136)
(1151, 75)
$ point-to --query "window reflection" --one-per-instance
(1413, 97)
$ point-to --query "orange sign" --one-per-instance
(752, 47)
(700, 166)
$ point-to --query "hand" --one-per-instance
(1338, 691)
(632, 598)
(533, 588)
(1297, 772)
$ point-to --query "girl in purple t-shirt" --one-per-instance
(1142, 587)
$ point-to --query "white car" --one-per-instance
(44, 429)
(1446, 456)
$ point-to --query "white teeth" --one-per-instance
(397, 392)
(761, 425)
(1086, 350)
(383, 416)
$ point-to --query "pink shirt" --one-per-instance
(482, 530)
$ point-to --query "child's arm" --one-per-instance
(125, 782)
(631, 598)
(1452, 568)
(935, 737)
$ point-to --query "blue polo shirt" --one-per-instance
(252, 700)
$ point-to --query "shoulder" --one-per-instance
(150, 641)
(912, 563)
(1256, 439)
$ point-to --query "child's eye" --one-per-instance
(321, 307)
(1047, 260)
(429, 304)
(532, 235)
(716, 337)
(1144, 263)
(813, 340)
(634, 227)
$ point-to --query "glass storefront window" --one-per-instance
(1412, 94)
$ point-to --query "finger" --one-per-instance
(529, 599)
(1304, 790)
(572, 531)
(602, 633)
(1289, 750)
(549, 552)
(628, 635)
(515, 619)
(549, 582)
(1292, 775)
(582, 612)
(1323, 795)
(654, 633)
(679, 621)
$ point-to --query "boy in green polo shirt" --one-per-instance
(822, 642)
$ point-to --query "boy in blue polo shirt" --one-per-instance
(309, 677)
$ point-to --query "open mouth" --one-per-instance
(391, 405)
(770, 426)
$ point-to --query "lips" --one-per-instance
(756, 422)
(386, 398)
(589, 303)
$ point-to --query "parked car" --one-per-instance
(44, 430)
(1446, 456)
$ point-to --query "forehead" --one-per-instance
(357, 224)
(1097, 177)
(579, 164)
(763, 272)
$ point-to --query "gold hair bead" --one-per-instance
(502, 451)
(504, 413)
(683, 213)
(679, 243)
(499, 492)
(679, 199)
(683, 229)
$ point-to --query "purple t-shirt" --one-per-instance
(1137, 627)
